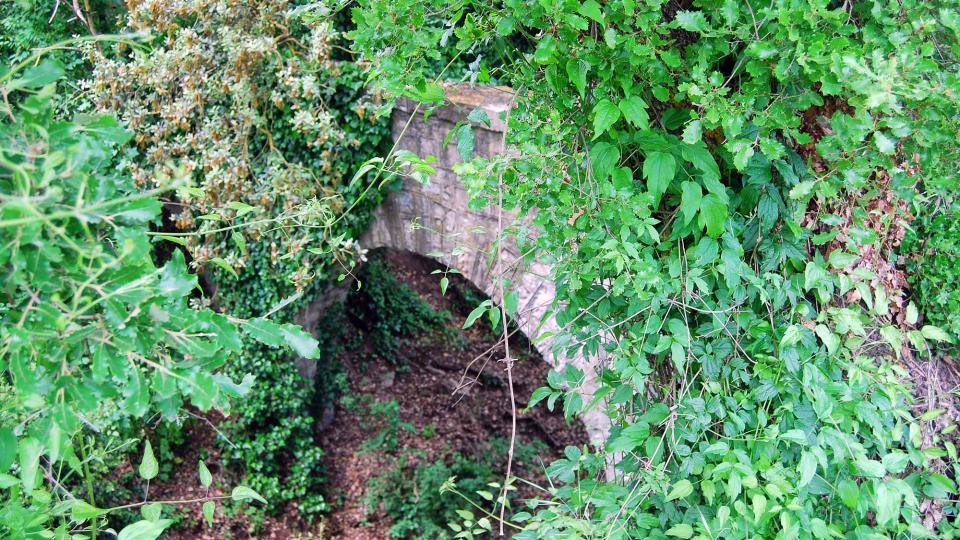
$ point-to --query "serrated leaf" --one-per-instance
(659, 169)
(634, 109)
(605, 114)
(690, 197)
(592, 9)
(713, 213)
(603, 158)
(680, 490)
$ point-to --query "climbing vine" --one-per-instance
(720, 188)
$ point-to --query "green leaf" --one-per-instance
(175, 281)
(264, 331)
(807, 468)
(243, 493)
(208, 508)
(82, 511)
(713, 214)
(692, 21)
(546, 50)
(46, 72)
(603, 158)
(479, 116)
(888, 504)
(871, 468)
(476, 314)
(205, 477)
(30, 450)
(465, 142)
(148, 463)
(222, 263)
(510, 301)
(592, 9)
(539, 395)
(935, 333)
(605, 114)
(849, 493)
(693, 132)
(577, 73)
(635, 111)
(144, 530)
(690, 197)
(680, 490)
(659, 169)
(630, 438)
(8, 449)
(301, 341)
(680, 531)
(152, 511)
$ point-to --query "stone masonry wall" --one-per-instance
(434, 220)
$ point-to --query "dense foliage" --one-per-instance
(93, 330)
(250, 100)
(720, 186)
(932, 255)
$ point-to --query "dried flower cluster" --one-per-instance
(234, 92)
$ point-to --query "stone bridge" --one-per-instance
(433, 220)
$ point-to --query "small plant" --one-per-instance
(386, 415)
(409, 492)
(390, 311)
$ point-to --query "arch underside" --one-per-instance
(434, 220)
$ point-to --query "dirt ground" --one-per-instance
(457, 392)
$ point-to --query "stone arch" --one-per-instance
(434, 220)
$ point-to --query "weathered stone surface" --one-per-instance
(434, 220)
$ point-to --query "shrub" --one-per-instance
(248, 100)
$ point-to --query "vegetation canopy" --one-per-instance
(748, 210)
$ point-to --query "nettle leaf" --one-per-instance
(605, 114)
(603, 158)
(659, 169)
(634, 109)
(577, 73)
